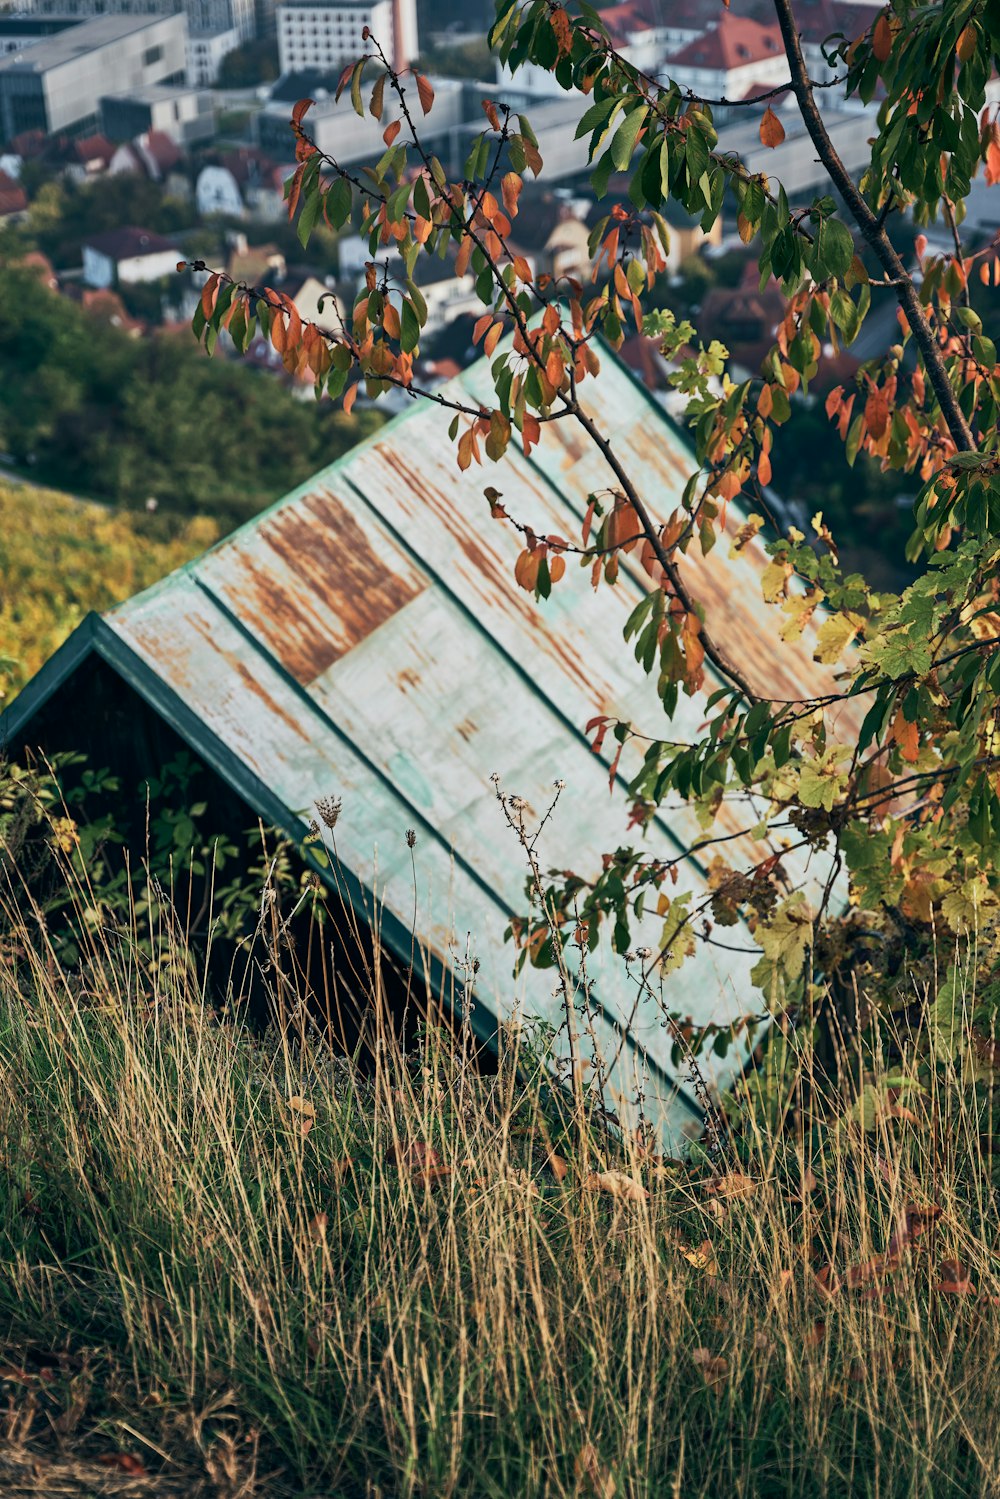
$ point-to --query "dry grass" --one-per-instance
(253, 1267)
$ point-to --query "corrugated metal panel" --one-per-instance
(365, 638)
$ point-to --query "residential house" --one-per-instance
(92, 156)
(550, 233)
(255, 265)
(216, 191)
(744, 318)
(128, 256)
(733, 56)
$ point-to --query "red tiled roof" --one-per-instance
(109, 307)
(13, 198)
(34, 260)
(164, 151)
(733, 43)
(94, 148)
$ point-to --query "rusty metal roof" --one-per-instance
(364, 638)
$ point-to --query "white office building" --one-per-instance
(327, 34)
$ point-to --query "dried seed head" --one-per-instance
(411, 837)
(313, 829)
(328, 808)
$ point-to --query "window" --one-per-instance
(151, 55)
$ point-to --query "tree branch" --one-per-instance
(874, 234)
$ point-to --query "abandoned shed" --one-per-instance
(364, 638)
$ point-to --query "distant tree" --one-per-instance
(118, 418)
(253, 63)
(910, 805)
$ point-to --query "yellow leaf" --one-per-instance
(733, 1184)
(702, 1258)
(835, 635)
(800, 610)
(617, 1184)
(299, 1105)
(773, 580)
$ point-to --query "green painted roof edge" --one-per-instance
(94, 636)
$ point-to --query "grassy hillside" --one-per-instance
(60, 558)
(235, 1266)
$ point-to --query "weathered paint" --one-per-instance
(365, 638)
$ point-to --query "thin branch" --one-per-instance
(874, 233)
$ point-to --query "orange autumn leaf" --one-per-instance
(390, 320)
(127, 1462)
(992, 173)
(562, 30)
(877, 413)
(526, 569)
(955, 1279)
(772, 131)
(425, 92)
(510, 190)
(208, 294)
(907, 736)
(616, 1184)
(882, 38)
(557, 1166)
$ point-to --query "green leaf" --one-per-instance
(623, 142)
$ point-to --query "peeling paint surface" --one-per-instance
(365, 638)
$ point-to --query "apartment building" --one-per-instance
(327, 34)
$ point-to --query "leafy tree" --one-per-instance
(908, 803)
(122, 419)
(252, 63)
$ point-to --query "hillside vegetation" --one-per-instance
(60, 558)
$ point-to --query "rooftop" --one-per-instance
(127, 243)
(364, 636)
(88, 36)
(156, 93)
(733, 42)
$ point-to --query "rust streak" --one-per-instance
(343, 589)
(248, 679)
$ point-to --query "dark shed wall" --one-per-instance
(96, 713)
